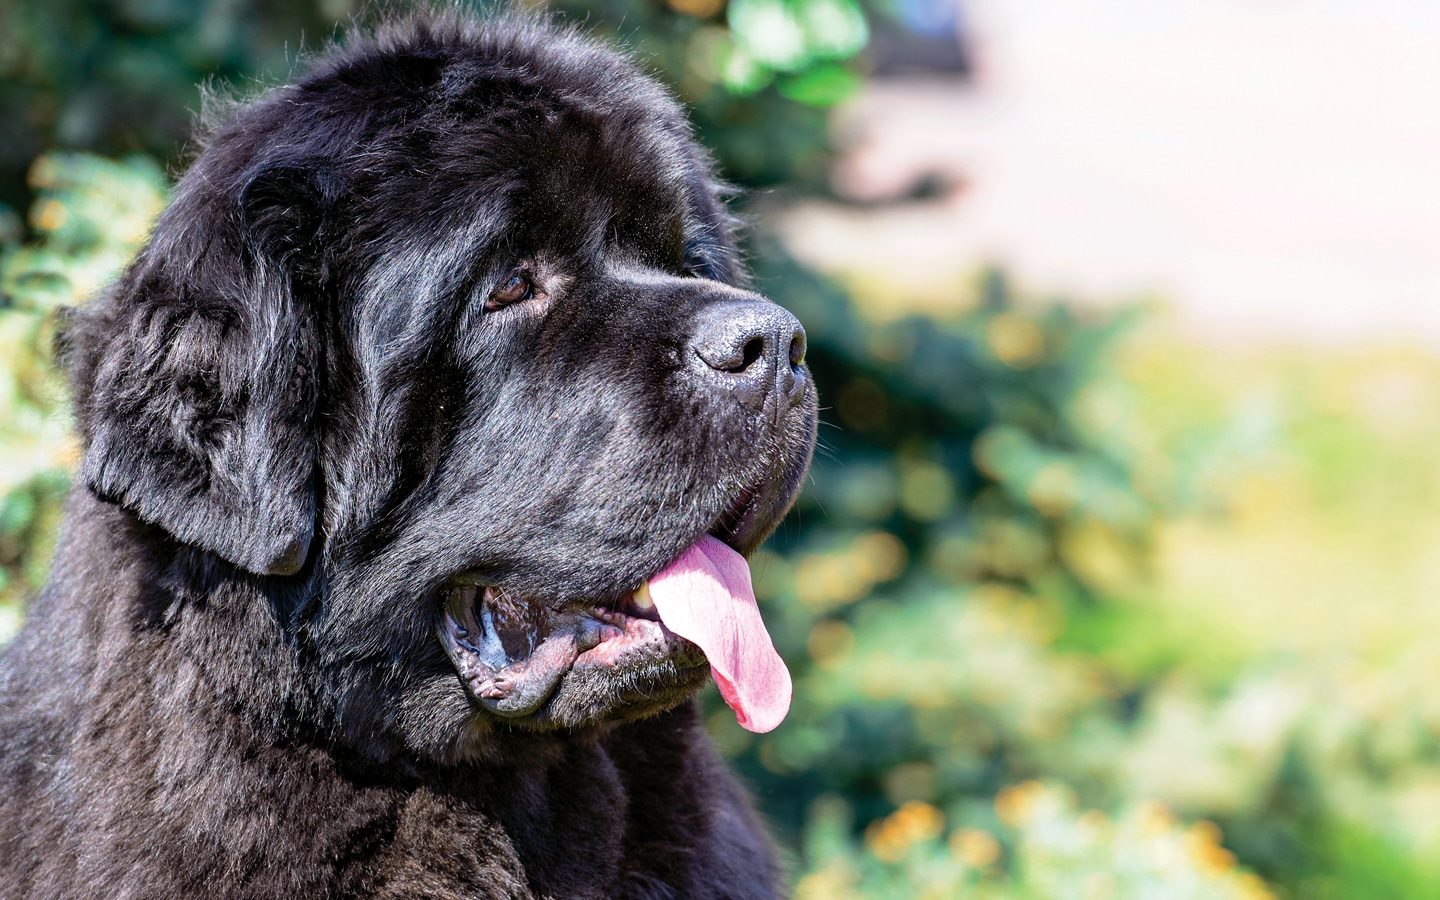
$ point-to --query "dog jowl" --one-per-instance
(424, 444)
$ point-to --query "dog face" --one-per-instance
(448, 343)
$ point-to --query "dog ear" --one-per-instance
(196, 380)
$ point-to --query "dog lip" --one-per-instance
(513, 657)
(760, 503)
(636, 635)
(744, 523)
(514, 682)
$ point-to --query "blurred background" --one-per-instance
(1115, 577)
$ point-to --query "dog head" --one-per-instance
(449, 339)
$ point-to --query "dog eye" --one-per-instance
(515, 288)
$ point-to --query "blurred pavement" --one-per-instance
(1269, 169)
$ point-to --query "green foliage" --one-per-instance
(1033, 842)
(88, 219)
(123, 77)
(780, 37)
(743, 106)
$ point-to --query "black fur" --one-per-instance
(301, 418)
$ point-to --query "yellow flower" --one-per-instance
(919, 821)
(1252, 888)
(1017, 342)
(1155, 819)
(885, 842)
(891, 837)
(1053, 491)
(701, 9)
(975, 848)
(1014, 804)
(1202, 841)
(67, 452)
(830, 642)
(879, 555)
(42, 173)
(826, 884)
(49, 215)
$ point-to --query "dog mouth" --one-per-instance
(647, 649)
(512, 653)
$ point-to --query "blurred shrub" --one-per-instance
(123, 77)
(1032, 841)
(89, 217)
(757, 75)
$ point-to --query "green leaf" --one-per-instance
(770, 33)
(834, 29)
(822, 85)
(741, 73)
(17, 511)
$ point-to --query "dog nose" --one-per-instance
(755, 348)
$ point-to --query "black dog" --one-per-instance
(438, 354)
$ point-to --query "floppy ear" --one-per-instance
(196, 377)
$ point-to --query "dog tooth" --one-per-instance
(642, 597)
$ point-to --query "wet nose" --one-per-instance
(754, 349)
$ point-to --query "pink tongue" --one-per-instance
(705, 597)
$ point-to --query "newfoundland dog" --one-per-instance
(423, 444)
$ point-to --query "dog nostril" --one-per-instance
(751, 352)
(797, 348)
